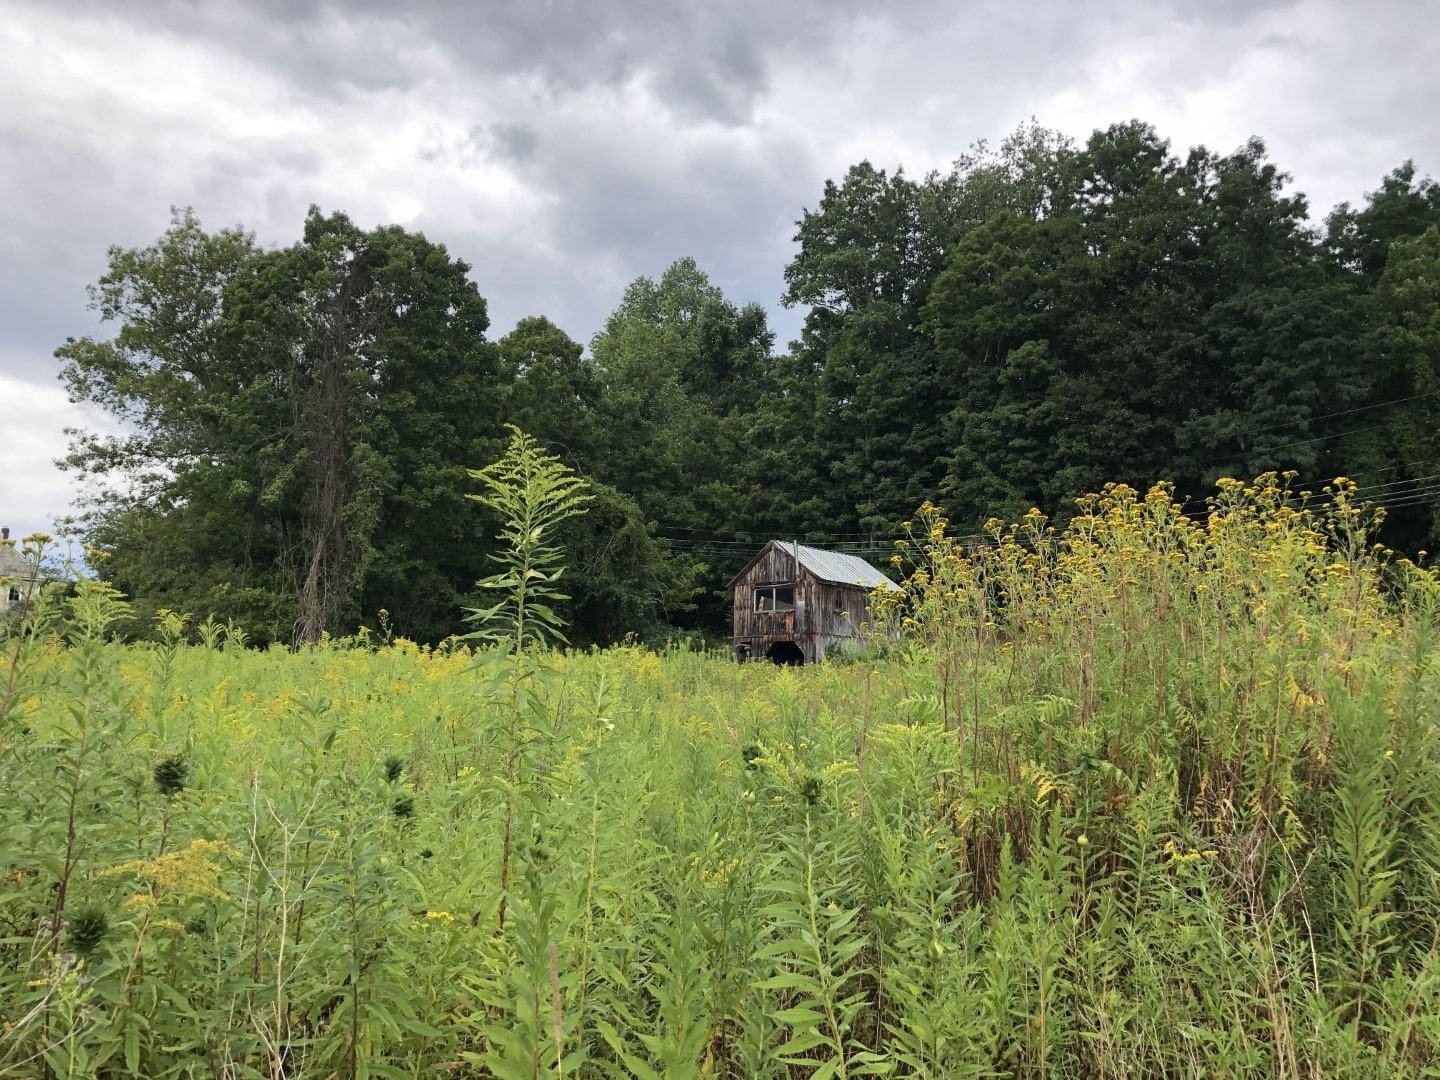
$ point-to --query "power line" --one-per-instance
(740, 551)
(1318, 419)
(868, 543)
(1396, 483)
(1425, 491)
(1331, 416)
(1325, 438)
(1402, 465)
(1413, 498)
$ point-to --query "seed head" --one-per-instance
(810, 789)
(89, 926)
(170, 775)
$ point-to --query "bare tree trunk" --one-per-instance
(329, 559)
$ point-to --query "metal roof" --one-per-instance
(831, 567)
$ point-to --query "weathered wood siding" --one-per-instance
(761, 629)
(824, 613)
(839, 613)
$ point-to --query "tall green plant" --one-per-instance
(533, 493)
(27, 630)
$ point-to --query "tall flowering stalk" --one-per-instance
(533, 493)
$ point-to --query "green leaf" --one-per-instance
(800, 1044)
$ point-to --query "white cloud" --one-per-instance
(563, 149)
(1334, 89)
(33, 418)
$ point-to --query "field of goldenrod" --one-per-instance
(1156, 794)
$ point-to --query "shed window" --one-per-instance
(775, 598)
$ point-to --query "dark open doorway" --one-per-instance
(786, 652)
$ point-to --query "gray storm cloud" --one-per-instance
(564, 148)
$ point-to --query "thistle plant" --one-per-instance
(171, 773)
(87, 929)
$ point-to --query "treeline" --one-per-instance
(1038, 320)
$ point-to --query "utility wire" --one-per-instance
(740, 550)
(1325, 438)
(1331, 416)
(1396, 483)
(1413, 498)
(1403, 465)
(1426, 490)
(712, 547)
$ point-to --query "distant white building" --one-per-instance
(13, 571)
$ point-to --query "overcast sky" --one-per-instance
(564, 148)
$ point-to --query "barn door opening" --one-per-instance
(785, 652)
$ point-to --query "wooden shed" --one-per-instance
(793, 602)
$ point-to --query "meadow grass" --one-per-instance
(1155, 795)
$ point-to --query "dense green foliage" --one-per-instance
(1015, 331)
(301, 423)
(1149, 796)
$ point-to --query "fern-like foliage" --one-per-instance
(533, 493)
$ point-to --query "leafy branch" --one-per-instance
(533, 493)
